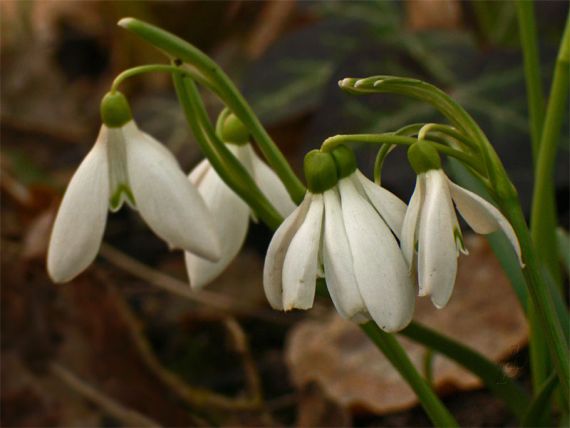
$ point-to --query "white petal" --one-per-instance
(231, 218)
(482, 216)
(271, 185)
(275, 257)
(78, 229)
(337, 258)
(243, 154)
(389, 206)
(166, 199)
(301, 261)
(199, 172)
(411, 222)
(437, 253)
(380, 269)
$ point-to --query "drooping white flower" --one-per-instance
(126, 164)
(344, 227)
(431, 226)
(230, 213)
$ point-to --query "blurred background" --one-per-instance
(127, 343)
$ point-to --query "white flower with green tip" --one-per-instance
(431, 229)
(230, 213)
(126, 164)
(342, 228)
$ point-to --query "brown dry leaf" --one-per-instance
(317, 410)
(37, 235)
(433, 14)
(483, 313)
(31, 400)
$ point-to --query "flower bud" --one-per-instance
(234, 131)
(345, 161)
(320, 171)
(115, 110)
(423, 157)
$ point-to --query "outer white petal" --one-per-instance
(301, 261)
(231, 218)
(389, 206)
(437, 253)
(275, 257)
(411, 219)
(78, 229)
(380, 269)
(199, 172)
(482, 216)
(337, 258)
(271, 185)
(166, 199)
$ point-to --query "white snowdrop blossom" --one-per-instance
(126, 164)
(230, 213)
(431, 227)
(342, 230)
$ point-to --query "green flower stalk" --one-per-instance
(207, 72)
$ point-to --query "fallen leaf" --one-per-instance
(483, 314)
(317, 410)
(433, 14)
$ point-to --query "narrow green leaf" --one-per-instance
(535, 416)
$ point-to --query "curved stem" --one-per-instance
(456, 114)
(493, 376)
(332, 142)
(222, 160)
(449, 131)
(431, 403)
(149, 68)
(214, 75)
(379, 161)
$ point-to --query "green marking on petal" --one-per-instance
(459, 240)
(121, 194)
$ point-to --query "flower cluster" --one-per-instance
(363, 240)
(344, 225)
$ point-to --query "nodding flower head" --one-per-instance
(126, 165)
(431, 226)
(230, 213)
(343, 230)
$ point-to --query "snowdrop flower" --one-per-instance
(230, 213)
(126, 165)
(342, 227)
(431, 223)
